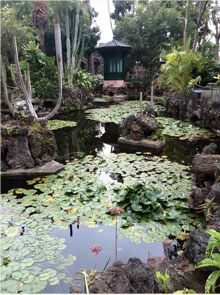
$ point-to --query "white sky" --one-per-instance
(103, 20)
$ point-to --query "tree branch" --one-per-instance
(4, 84)
(23, 87)
(196, 33)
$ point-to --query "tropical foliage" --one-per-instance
(10, 25)
(178, 71)
(212, 259)
(43, 71)
(86, 80)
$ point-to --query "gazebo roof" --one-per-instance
(114, 44)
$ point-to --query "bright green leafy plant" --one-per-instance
(84, 79)
(185, 291)
(212, 259)
(163, 279)
(178, 71)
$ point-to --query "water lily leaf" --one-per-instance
(12, 231)
(5, 271)
(54, 281)
(10, 285)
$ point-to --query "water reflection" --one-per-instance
(80, 240)
(91, 137)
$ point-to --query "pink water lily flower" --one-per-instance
(96, 249)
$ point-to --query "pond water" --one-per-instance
(80, 240)
(93, 138)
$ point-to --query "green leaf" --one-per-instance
(211, 281)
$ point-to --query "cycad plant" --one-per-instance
(178, 71)
(212, 259)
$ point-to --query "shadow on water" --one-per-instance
(91, 137)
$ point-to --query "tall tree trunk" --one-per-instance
(76, 40)
(41, 36)
(186, 25)
(58, 44)
(21, 80)
(215, 19)
(68, 45)
(199, 19)
(91, 64)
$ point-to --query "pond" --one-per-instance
(50, 224)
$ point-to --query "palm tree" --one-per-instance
(40, 19)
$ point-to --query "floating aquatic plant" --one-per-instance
(169, 126)
(180, 129)
(79, 193)
(58, 124)
(118, 112)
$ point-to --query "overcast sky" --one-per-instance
(103, 20)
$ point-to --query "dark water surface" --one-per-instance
(92, 137)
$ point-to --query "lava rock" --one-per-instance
(195, 249)
(216, 191)
(18, 154)
(26, 143)
(133, 277)
(205, 164)
(210, 149)
(197, 196)
(181, 276)
(147, 123)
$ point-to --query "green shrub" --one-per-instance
(86, 80)
(178, 73)
(43, 71)
(209, 70)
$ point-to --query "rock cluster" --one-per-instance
(26, 143)
(133, 277)
(202, 111)
(206, 182)
(113, 91)
(76, 98)
(138, 128)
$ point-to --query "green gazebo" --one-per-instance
(113, 54)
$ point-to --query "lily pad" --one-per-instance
(117, 113)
